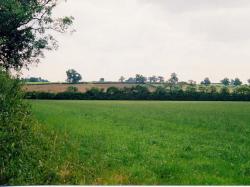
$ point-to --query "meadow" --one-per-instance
(146, 142)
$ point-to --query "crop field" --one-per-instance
(144, 142)
(58, 87)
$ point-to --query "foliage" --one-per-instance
(236, 82)
(173, 79)
(122, 79)
(102, 80)
(206, 81)
(131, 80)
(24, 27)
(148, 142)
(73, 76)
(140, 79)
(153, 79)
(35, 79)
(225, 81)
(18, 152)
(141, 92)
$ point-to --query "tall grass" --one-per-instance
(104, 142)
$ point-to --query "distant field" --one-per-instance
(57, 87)
(124, 142)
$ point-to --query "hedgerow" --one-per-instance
(141, 92)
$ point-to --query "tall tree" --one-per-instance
(161, 79)
(173, 79)
(206, 81)
(236, 82)
(121, 79)
(192, 82)
(153, 79)
(24, 26)
(140, 78)
(225, 81)
(73, 76)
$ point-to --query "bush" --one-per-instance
(23, 151)
(15, 130)
(142, 93)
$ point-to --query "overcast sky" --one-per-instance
(194, 38)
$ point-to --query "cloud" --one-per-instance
(195, 38)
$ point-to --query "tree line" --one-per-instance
(142, 92)
(74, 77)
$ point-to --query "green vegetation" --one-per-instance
(24, 31)
(142, 92)
(127, 142)
(19, 147)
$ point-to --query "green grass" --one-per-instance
(127, 142)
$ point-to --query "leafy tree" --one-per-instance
(225, 81)
(191, 89)
(236, 82)
(243, 90)
(173, 79)
(131, 80)
(192, 82)
(24, 26)
(248, 81)
(153, 79)
(122, 79)
(202, 88)
(161, 79)
(140, 79)
(113, 91)
(225, 91)
(73, 76)
(35, 79)
(212, 89)
(102, 80)
(206, 81)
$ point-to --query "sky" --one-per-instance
(194, 38)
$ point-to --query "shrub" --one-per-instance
(20, 148)
(15, 130)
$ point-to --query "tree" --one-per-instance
(121, 79)
(161, 79)
(153, 79)
(243, 90)
(225, 81)
(131, 80)
(206, 81)
(140, 79)
(24, 26)
(248, 81)
(212, 89)
(192, 82)
(191, 89)
(173, 79)
(225, 91)
(102, 80)
(236, 82)
(202, 88)
(73, 76)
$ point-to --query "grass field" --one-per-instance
(126, 142)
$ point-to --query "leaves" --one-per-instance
(24, 27)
